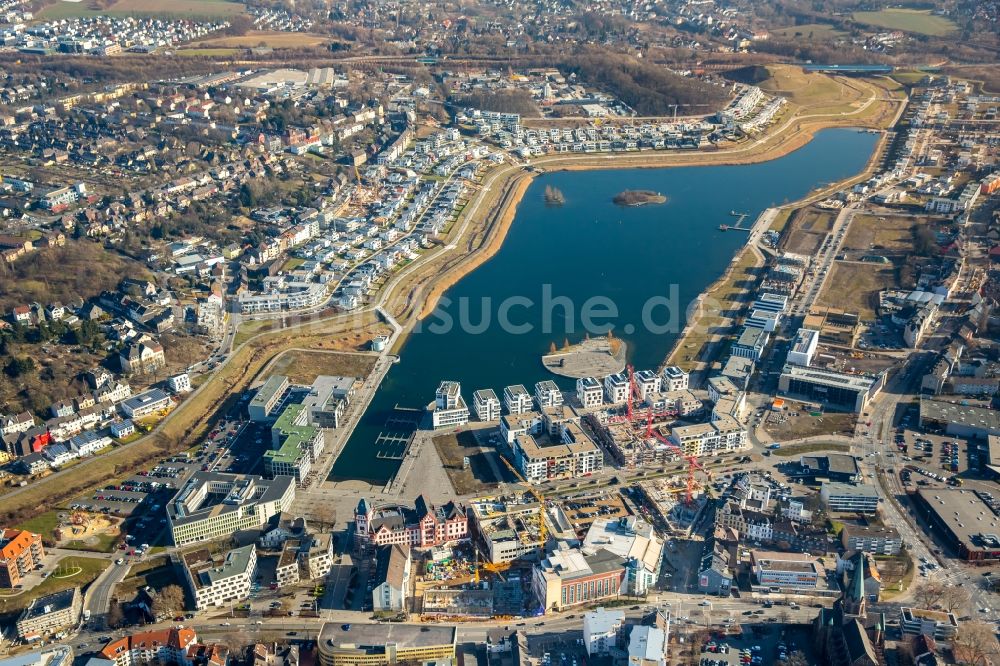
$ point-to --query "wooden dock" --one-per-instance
(740, 217)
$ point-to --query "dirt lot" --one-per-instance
(302, 367)
(481, 476)
(809, 227)
(870, 233)
(804, 425)
(855, 286)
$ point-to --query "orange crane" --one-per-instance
(693, 463)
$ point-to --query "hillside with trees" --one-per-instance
(650, 89)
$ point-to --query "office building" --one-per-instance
(516, 399)
(215, 583)
(449, 408)
(589, 392)
(963, 520)
(146, 404)
(751, 343)
(265, 404)
(20, 553)
(635, 541)
(785, 570)
(849, 498)
(839, 467)
(212, 505)
(486, 404)
(295, 445)
(362, 644)
(803, 347)
(52, 655)
(570, 577)
(838, 390)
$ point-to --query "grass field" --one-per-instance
(276, 40)
(209, 53)
(156, 572)
(302, 367)
(907, 20)
(87, 569)
(178, 8)
(871, 233)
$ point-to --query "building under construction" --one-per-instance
(507, 527)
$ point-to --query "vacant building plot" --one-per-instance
(303, 366)
(814, 91)
(881, 235)
(854, 286)
(789, 425)
(64, 9)
(484, 470)
(808, 229)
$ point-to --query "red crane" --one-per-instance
(693, 463)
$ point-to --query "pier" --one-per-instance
(740, 217)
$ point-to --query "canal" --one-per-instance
(587, 266)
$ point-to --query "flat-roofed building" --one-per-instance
(803, 347)
(959, 420)
(675, 379)
(547, 394)
(634, 540)
(214, 582)
(849, 498)
(964, 520)
(738, 369)
(648, 384)
(265, 403)
(363, 644)
(146, 404)
(601, 630)
(785, 570)
(941, 625)
(589, 392)
(839, 467)
(516, 399)
(616, 388)
(513, 425)
(574, 454)
(835, 326)
(509, 527)
(706, 439)
(486, 404)
(571, 577)
(833, 389)
(211, 505)
(751, 343)
(768, 302)
(295, 445)
(449, 408)
(49, 614)
(874, 539)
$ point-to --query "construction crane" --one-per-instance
(538, 495)
(632, 398)
(693, 463)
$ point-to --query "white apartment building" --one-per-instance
(547, 394)
(648, 384)
(616, 388)
(589, 392)
(517, 400)
(180, 383)
(803, 347)
(705, 439)
(486, 404)
(215, 583)
(601, 629)
(674, 379)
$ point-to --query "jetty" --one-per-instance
(740, 218)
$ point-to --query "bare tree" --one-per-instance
(927, 593)
(168, 600)
(797, 658)
(953, 597)
(115, 617)
(974, 644)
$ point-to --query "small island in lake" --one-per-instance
(639, 198)
(554, 196)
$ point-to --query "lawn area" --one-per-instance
(80, 572)
(854, 287)
(908, 77)
(799, 449)
(42, 524)
(907, 20)
(302, 367)
(808, 89)
(780, 220)
(101, 543)
(292, 263)
(207, 52)
(874, 233)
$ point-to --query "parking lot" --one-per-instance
(759, 644)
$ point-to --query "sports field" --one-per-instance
(907, 20)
